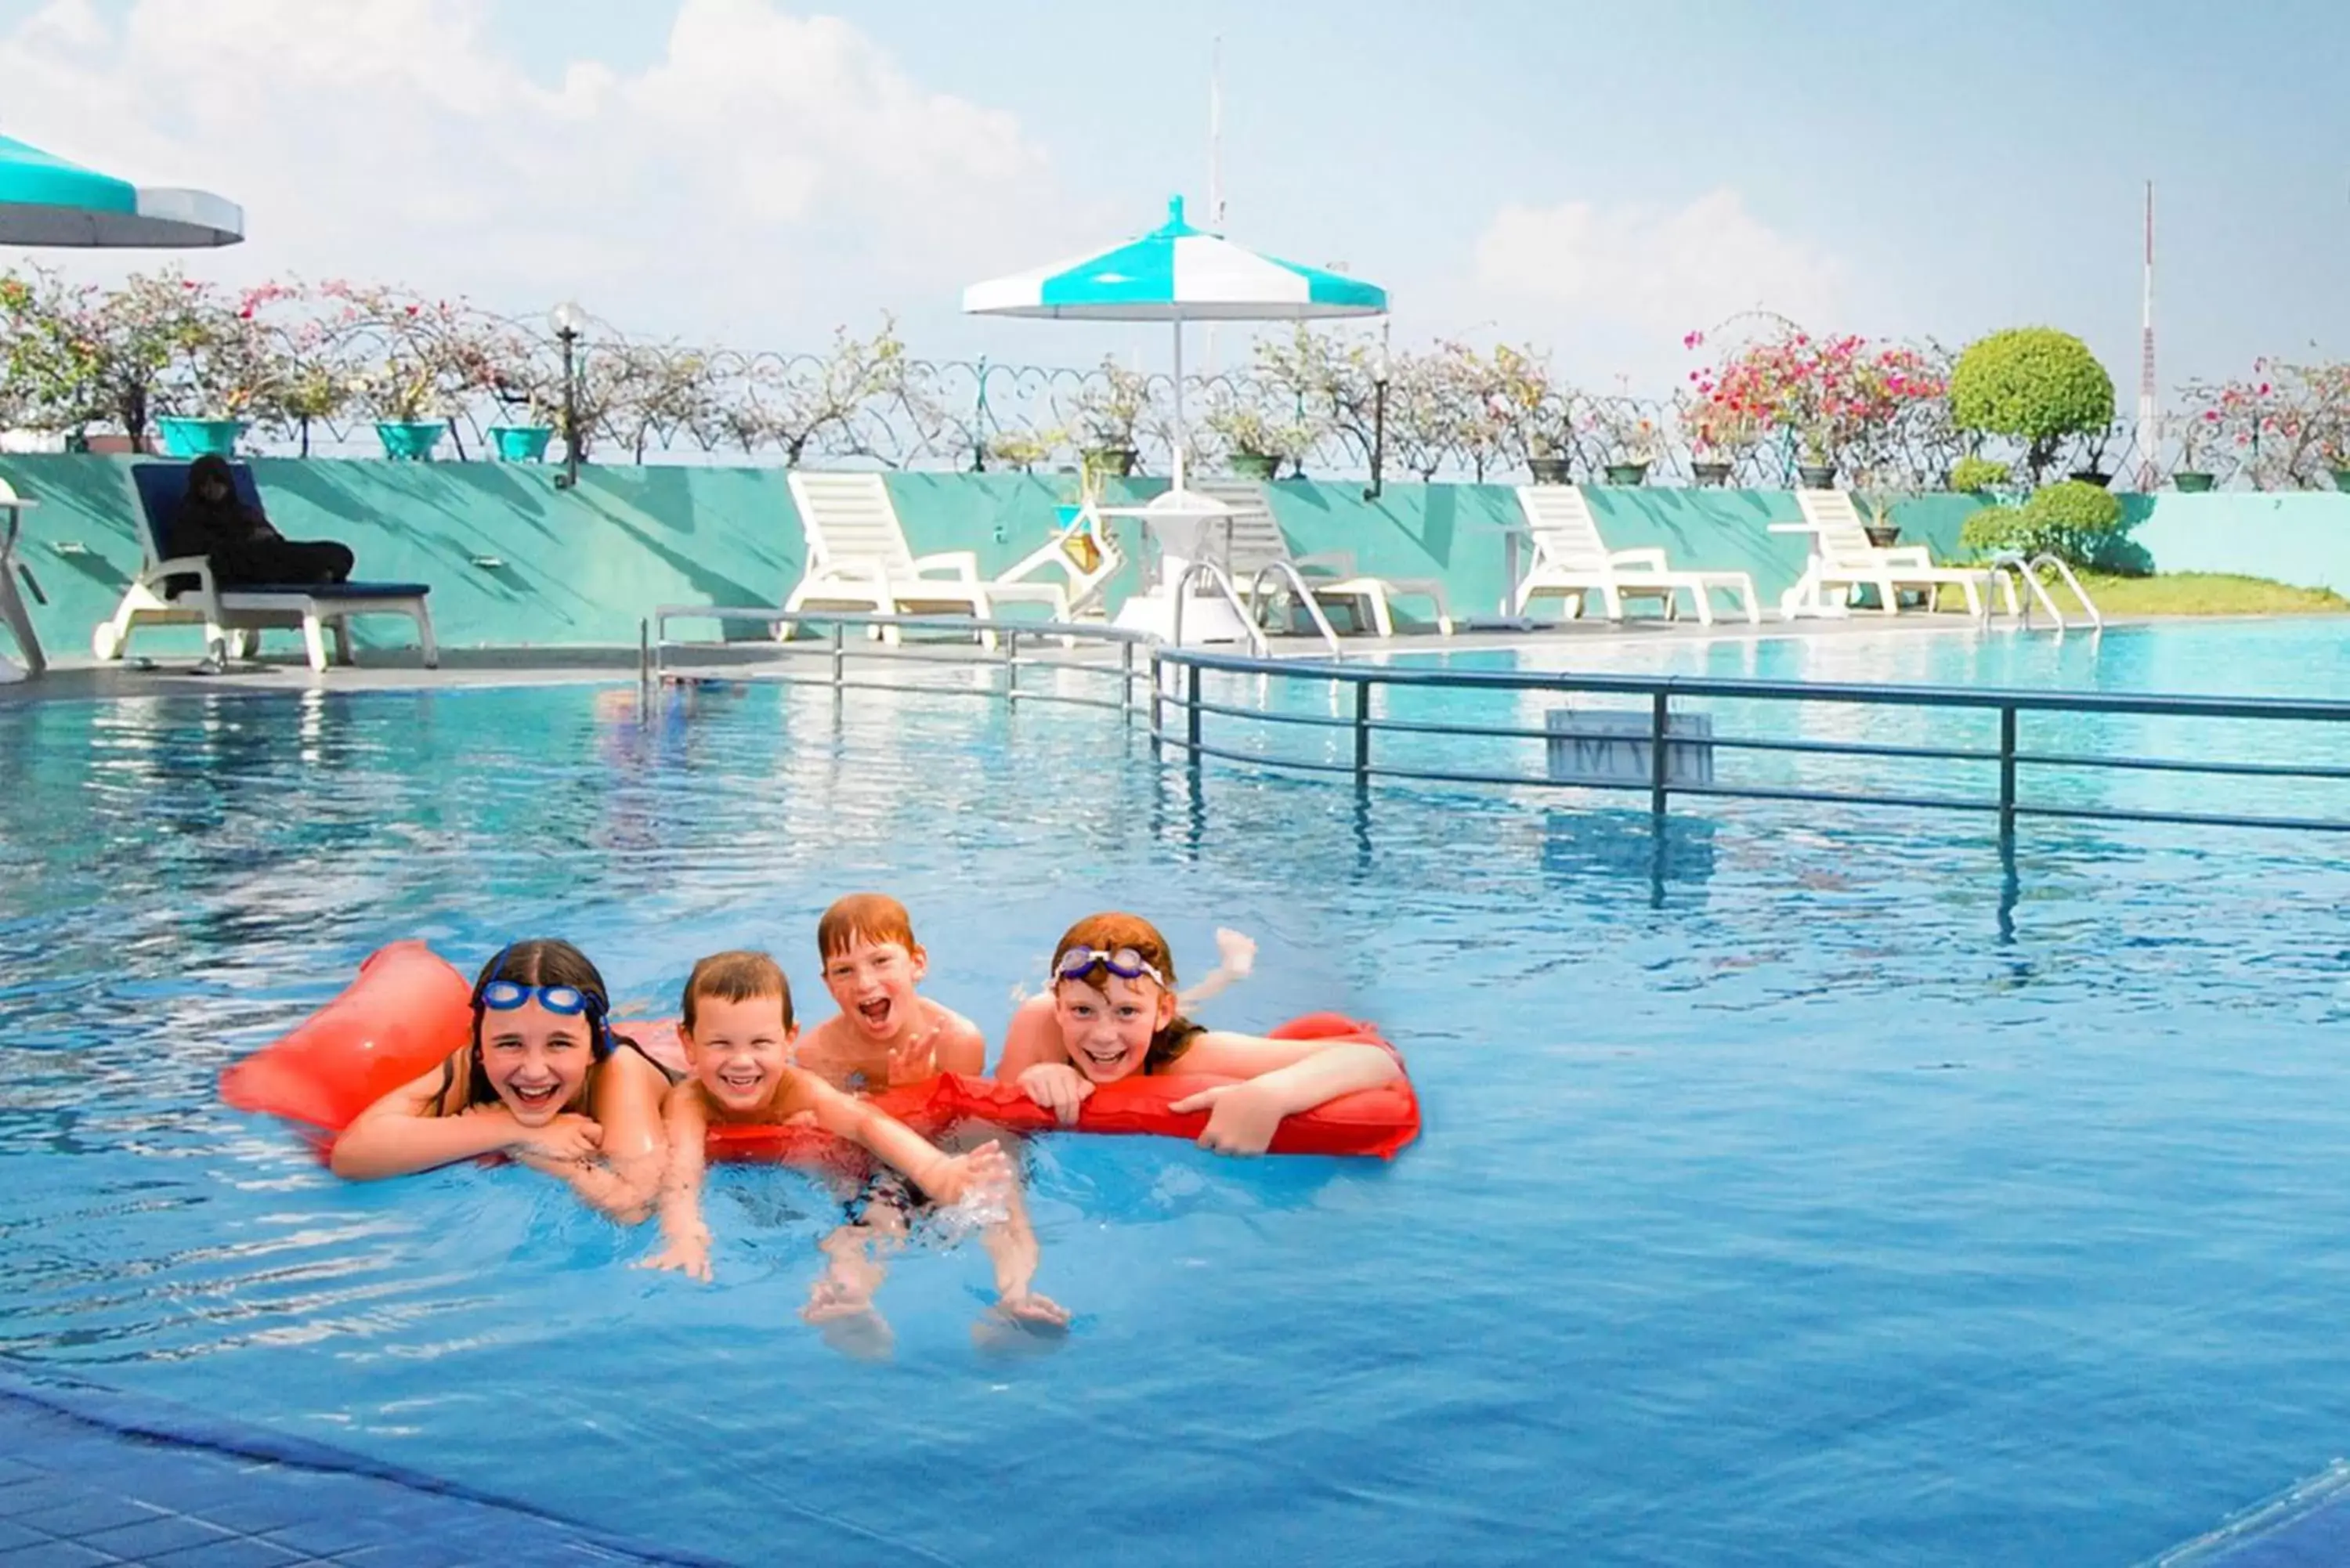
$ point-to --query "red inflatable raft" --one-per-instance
(409, 1009)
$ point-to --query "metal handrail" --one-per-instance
(1231, 596)
(1305, 596)
(1661, 739)
(2006, 561)
(1175, 674)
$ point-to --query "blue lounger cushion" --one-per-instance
(160, 486)
(332, 590)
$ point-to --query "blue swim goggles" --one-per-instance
(568, 1000)
(1126, 963)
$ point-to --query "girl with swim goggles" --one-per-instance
(542, 1080)
(1113, 1012)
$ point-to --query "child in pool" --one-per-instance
(1113, 1011)
(542, 1080)
(887, 1033)
(737, 1028)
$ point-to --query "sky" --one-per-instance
(1593, 180)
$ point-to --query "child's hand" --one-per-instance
(688, 1254)
(568, 1138)
(957, 1176)
(1235, 953)
(1241, 1117)
(1058, 1087)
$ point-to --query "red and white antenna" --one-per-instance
(2149, 401)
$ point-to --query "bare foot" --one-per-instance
(849, 1324)
(1022, 1325)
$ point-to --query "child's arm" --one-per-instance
(1035, 1058)
(1283, 1077)
(1012, 1248)
(944, 1177)
(685, 1240)
(399, 1135)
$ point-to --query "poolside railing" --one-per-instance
(1661, 748)
(1022, 644)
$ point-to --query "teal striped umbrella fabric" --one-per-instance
(45, 201)
(1175, 274)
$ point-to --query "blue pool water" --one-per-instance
(1813, 1191)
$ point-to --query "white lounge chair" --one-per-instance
(1250, 541)
(858, 559)
(1571, 560)
(181, 591)
(1083, 550)
(1842, 559)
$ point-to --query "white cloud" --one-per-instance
(1629, 281)
(768, 176)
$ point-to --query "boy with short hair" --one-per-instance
(737, 1028)
(887, 1033)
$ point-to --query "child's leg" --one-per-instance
(841, 1299)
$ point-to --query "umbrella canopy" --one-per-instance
(45, 201)
(1176, 272)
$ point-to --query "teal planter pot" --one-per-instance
(1252, 464)
(1627, 474)
(411, 439)
(2191, 481)
(201, 437)
(521, 443)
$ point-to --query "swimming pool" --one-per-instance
(1826, 1198)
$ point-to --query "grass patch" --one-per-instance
(2180, 593)
(2206, 592)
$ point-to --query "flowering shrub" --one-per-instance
(2283, 427)
(1839, 397)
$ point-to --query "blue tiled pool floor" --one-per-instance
(89, 1477)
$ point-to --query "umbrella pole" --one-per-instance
(1180, 443)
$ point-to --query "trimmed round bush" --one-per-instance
(2032, 384)
(2073, 521)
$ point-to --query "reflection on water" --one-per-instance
(1795, 1141)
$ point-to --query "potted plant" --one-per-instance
(1719, 435)
(2196, 432)
(229, 367)
(2093, 469)
(1024, 449)
(2032, 385)
(1106, 414)
(429, 353)
(1254, 446)
(1628, 438)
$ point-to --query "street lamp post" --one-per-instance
(565, 321)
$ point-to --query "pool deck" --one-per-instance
(461, 669)
(90, 1476)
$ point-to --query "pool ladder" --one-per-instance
(2034, 588)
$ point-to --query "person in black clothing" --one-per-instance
(242, 546)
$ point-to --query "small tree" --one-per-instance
(2034, 385)
(2077, 522)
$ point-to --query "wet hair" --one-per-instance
(874, 917)
(539, 962)
(1110, 931)
(736, 976)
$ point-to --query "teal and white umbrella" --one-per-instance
(45, 201)
(1177, 274)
